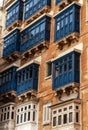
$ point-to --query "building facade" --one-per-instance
(44, 73)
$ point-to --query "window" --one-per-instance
(46, 113)
(49, 68)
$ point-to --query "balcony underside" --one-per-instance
(34, 51)
(68, 89)
(8, 2)
(12, 57)
(29, 95)
(65, 3)
(17, 23)
(46, 9)
(71, 38)
(8, 97)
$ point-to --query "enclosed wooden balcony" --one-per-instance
(8, 81)
(35, 37)
(14, 15)
(27, 78)
(35, 9)
(11, 46)
(66, 70)
(67, 30)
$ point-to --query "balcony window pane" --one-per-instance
(70, 117)
(24, 117)
(70, 63)
(54, 121)
(21, 117)
(59, 120)
(33, 116)
(42, 27)
(64, 118)
(12, 115)
(17, 119)
(28, 116)
(56, 70)
(7, 115)
(58, 26)
(77, 117)
(37, 30)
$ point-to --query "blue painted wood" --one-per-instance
(58, 1)
(14, 12)
(11, 43)
(30, 80)
(64, 23)
(35, 34)
(8, 80)
(66, 70)
(33, 6)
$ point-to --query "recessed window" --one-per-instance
(49, 68)
(12, 115)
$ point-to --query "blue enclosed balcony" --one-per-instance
(14, 15)
(11, 45)
(34, 9)
(27, 78)
(8, 80)
(67, 24)
(36, 34)
(66, 70)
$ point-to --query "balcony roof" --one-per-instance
(48, 15)
(78, 48)
(29, 63)
(66, 8)
(12, 65)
